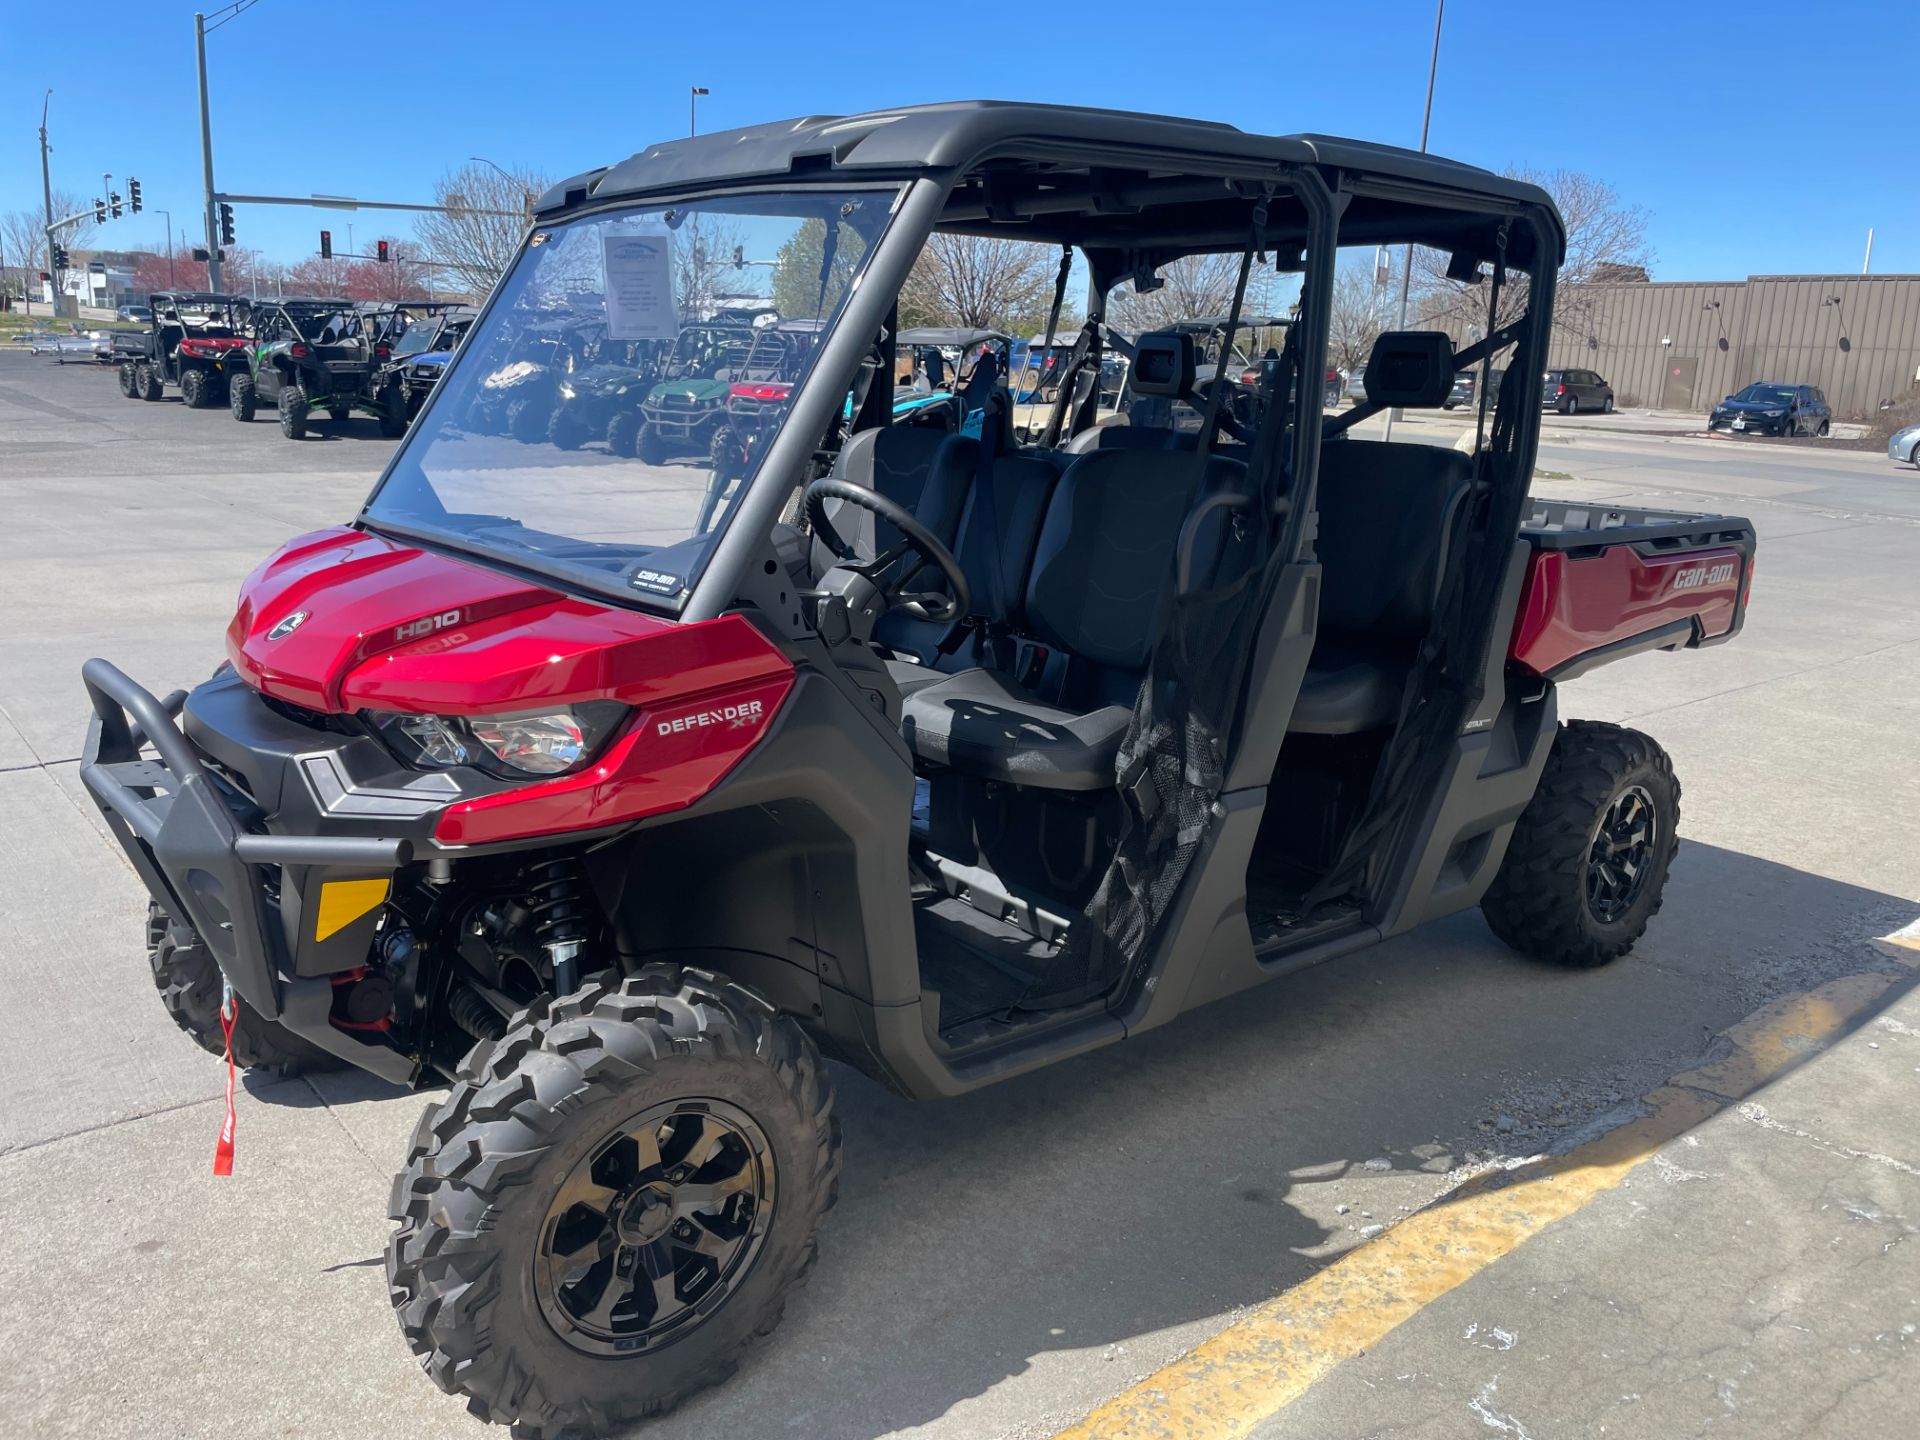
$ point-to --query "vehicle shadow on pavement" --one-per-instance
(1125, 1205)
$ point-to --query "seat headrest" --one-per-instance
(1162, 365)
(980, 384)
(1411, 368)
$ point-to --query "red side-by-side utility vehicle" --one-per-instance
(621, 794)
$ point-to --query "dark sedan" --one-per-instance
(1770, 408)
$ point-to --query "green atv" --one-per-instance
(682, 412)
(317, 354)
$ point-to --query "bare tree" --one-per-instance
(981, 281)
(23, 238)
(1606, 240)
(1191, 288)
(476, 247)
(706, 255)
(1362, 308)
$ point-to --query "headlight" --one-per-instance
(1774, 414)
(531, 742)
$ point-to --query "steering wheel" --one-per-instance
(920, 541)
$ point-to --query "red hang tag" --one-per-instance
(223, 1152)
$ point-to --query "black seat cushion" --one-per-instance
(910, 675)
(980, 722)
(1348, 690)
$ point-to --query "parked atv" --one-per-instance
(421, 351)
(682, 412)
(195, 341)
(756, 399)
(618, 813)
(316, 354)
(606, 382)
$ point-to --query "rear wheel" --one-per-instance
(147, 383)
(1570, 405)
(242, 399)
(293, 412)
(193, 389)
(126, 379)
(188, 979)
(614, 1201)
(1588, 863)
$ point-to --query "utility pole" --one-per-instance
(206, 154)
(694, 92)
(1426, 122)
(46, 192)
(171, 284)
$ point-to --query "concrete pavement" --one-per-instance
(998, 1266)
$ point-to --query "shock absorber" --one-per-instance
(558, 902)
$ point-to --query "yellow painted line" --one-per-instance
(1903, 944)
(344, 901)
(1270, 1357)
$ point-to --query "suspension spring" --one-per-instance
(557, 900)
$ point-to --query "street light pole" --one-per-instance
(206, 154)
(1426, 122)
(169, 215)
(694, 92)
(46, 191)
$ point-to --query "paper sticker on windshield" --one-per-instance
(659, 582)
(640, 286)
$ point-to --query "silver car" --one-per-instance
(1905, 445)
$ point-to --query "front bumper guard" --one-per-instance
(172, 817)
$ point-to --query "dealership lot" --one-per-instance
(1003, 1264)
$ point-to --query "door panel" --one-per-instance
(1676, 387)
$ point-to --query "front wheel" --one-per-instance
(188, 979)
(393, 409)
(1606, 406)
(1589, 857)
(1826, 429)
(623, 434)
(193, 389)
(242, 399)
(614, 1201)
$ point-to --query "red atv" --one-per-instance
(947, 756)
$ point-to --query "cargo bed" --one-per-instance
(1605, 582)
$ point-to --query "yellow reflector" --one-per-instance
(344, 901)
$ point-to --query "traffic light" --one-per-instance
(60, 257)
(133, 195)
(99, 212)
(380, 252)
(226, 223)
(326, 244)
(114, 199)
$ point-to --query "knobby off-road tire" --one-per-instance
(1542, 901)
(293, 412)
(394, 413)
(126, 379)
(188, 979)
(147, 383)
(623, 434)
(480, 1206)
(650, 446)
(566, 430)
(242, 399)
(527, 422)
(194, 389)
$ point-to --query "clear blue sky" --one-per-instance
(1762, 138)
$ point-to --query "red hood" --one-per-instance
(389, 626)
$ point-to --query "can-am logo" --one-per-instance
(287, 626)
(1703, 575)
(426, 625)
(734, 717)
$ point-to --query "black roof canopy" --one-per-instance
(1106, 180)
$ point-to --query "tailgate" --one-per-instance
(1607, 582)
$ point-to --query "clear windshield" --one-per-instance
(608, 415)
(1770, 394)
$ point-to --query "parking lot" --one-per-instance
(1010, 1264)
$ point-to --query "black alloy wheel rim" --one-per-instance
(654, 1227)
(1620, 859)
